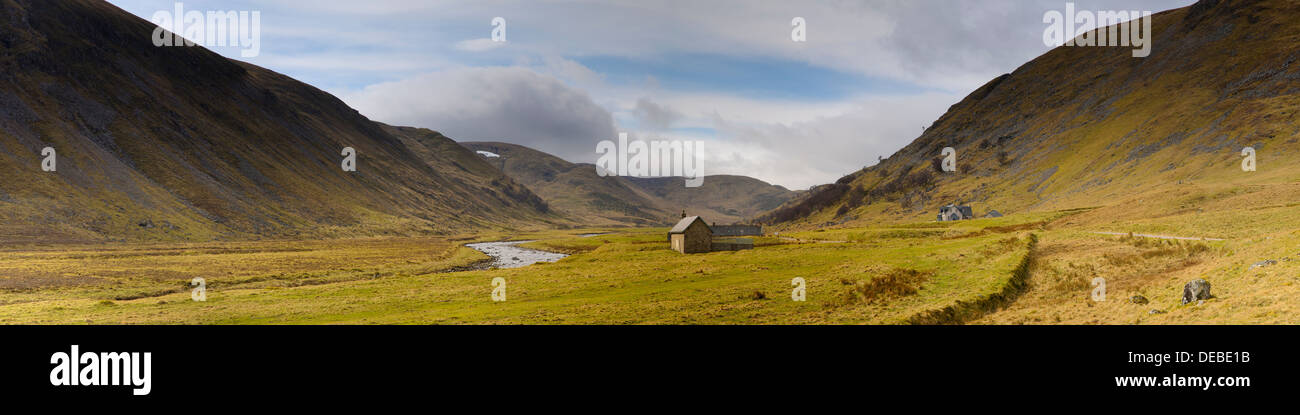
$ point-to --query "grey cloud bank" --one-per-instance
(508, 104)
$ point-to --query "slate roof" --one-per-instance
(686, 223)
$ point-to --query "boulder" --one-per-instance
(1137, 299)
(1196, 290)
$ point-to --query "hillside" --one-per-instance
(1087, 127)
(179, 143)
(730, 196)
(576, 190)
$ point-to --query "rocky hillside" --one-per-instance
(1094, 126)
(179, 143)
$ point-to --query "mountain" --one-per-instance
(179, 143)
(577, 191)
(1095, 126)
(732, 198)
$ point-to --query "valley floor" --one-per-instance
(1034, 268)
(628, 277)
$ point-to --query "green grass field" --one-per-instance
(1034, 268)
(627, 277)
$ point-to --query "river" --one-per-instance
(510, 255)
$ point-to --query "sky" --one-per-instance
(868, 78)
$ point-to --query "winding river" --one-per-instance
(511, 255)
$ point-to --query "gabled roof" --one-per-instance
(686, 223)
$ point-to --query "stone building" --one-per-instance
(691, 236)
(737, 230)
(954, 212)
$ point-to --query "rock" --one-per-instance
(1137, 299)
(1263, 263)
(1196, 290)
(1156, 311)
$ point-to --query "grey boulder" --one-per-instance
(1196, 290)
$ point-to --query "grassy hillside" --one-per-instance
(576, 190)
(179, 143)
(1085, 127)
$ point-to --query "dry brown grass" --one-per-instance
(895, 283)
(1061, 280)
(133, 271)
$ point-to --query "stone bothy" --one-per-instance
(691, 235)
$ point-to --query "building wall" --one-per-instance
(694, 241)
(738, 230)
(678, 242)
(698, 238)
(736, 244)
(955, 213)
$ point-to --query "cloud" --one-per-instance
(954, 45)
(510, 104)
(654, 116)
(572, 72)
(818, 151)
(478, 45)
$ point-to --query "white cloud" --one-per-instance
(478, 45)
(374, 63)
(820, 150)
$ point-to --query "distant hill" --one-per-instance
(577, 191)
(179, 143)
(738, 197)
(1094, 126)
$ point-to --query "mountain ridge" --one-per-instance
(180, 143)
(1093, 126)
